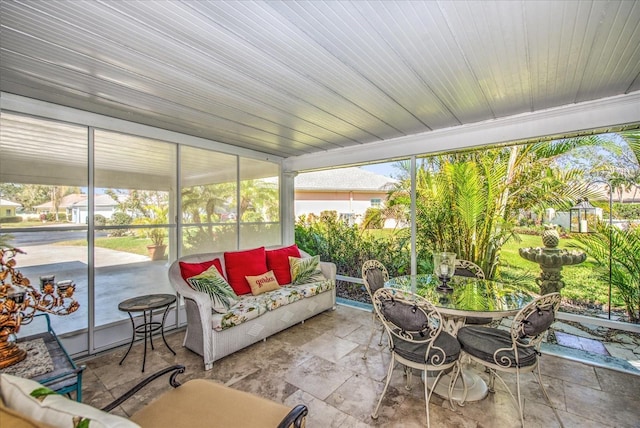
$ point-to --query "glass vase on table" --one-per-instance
(444, 266)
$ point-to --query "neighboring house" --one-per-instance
(104, 206)
(8, 208)
(76, 205)
(349, 191)
(65, 204)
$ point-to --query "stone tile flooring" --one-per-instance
(319, 363)
(583, 343)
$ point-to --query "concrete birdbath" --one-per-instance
(551, 260)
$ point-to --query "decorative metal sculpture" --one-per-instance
(19, 302)
(551, 260)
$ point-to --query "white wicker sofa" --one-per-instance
(215, 335)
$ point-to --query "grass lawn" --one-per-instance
(583, 282)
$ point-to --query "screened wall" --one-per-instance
(110, 210)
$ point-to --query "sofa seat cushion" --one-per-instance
(250, 307)
(314, 288)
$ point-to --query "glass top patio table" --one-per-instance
(471, 297)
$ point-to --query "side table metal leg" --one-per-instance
(133, 337)
(147, 331)
(164, 317)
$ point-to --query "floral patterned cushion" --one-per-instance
(315, 288)
(250, 307)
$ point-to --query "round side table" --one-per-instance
(144, 304)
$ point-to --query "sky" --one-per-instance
(385, 169)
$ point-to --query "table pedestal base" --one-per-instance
(476, 387)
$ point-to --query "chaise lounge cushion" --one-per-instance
(188, 405)
(12, 419)
(240, 264)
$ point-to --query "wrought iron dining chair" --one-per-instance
(471, 270)
(468, 269)
(514, 351)
(416, 338)
(374, 275)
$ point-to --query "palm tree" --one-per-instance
(632, 138)
(617, 251)
(469, 202)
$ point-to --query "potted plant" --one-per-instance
(156, 216)
(157, 248)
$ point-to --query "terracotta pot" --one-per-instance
(156, 252)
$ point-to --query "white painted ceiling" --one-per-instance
(294, 78)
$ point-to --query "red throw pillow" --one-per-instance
(240, 264)
(187, 270)
(278, 262)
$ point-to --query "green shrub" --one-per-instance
(120, 219)
(627, 211)
(12, 219)
(349, 246)
(99, 220)
(52, 217)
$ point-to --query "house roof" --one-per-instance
(66, 202)
(102, 200)
(295, 79)
(8, 203)
(344, 179)
(80, 200)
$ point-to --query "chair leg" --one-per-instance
(492, 381)
(408, 372)
(373, 329)
(457, 373)
(428, 393)
(546, 395)
(374, 415)
(520, 410)
(427, 396)
(381, 336)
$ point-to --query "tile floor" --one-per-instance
(319, 363)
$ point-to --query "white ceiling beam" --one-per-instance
(559, 121)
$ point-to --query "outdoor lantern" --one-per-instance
(584, 216)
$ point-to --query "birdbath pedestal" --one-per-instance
(551, 260)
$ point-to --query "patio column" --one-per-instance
(287, 207)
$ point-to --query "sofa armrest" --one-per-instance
(329, 270)
(202, 300)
